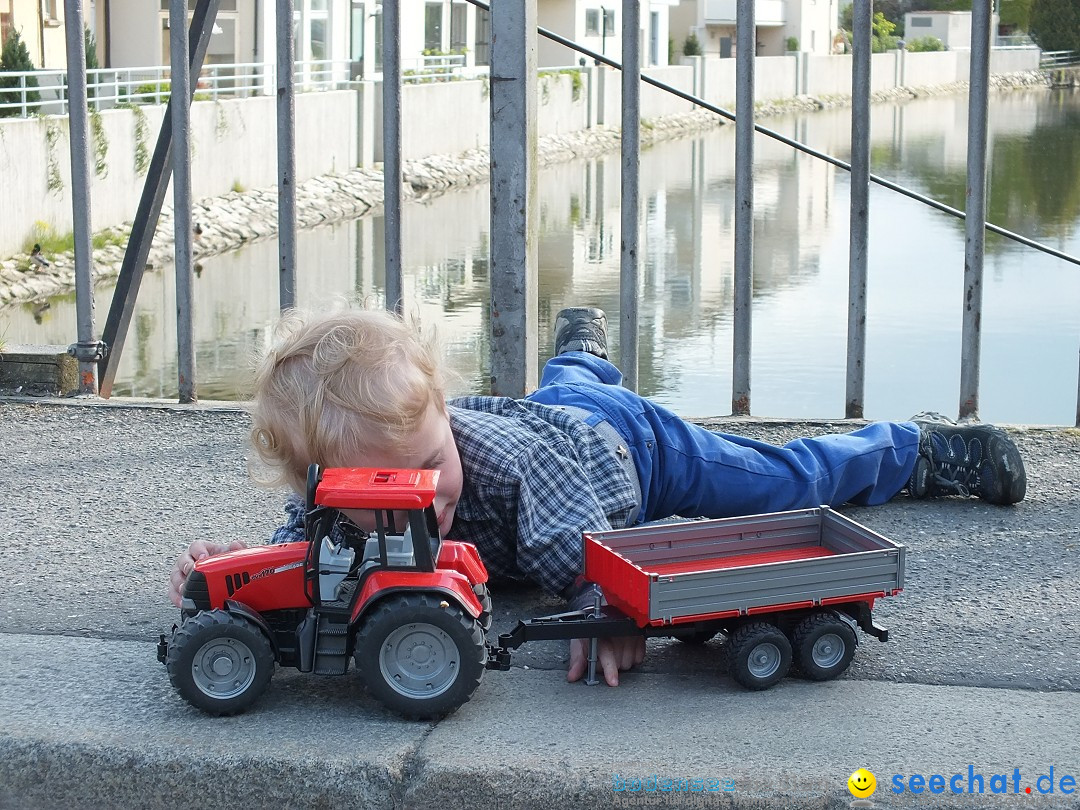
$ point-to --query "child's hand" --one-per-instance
(185, 563)
(612, 655)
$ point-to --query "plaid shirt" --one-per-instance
(535, 478)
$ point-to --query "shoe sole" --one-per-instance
(1002, 477)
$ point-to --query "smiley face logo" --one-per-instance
(861, 783)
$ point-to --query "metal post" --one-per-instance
(180, 86)
(978, 102)
(1078, 399)
(629, 270)
(746, 44)
(601, 101)
(859, 227)
(391, 89)
(286, 155)
(87, 350)
(513, 195)
(146, 216)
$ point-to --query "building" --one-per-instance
(809, 25)
(953, 28)
(348, 33)
(597, 26)
(40, 24)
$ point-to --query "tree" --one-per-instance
(91, 50)
(91, 60)
(14, 57)
(1055, 25)
(1015, 15)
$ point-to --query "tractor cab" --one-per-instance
(400, 532)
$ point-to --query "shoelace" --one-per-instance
(954, 484)
(956, 476)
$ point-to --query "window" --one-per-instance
(483, 36)
(922, 22)
(592, 22)
(357, 29)
(48, 11)
(378, 40)
(609, 22)
(458, 27)
(319, 42)
(433, 25)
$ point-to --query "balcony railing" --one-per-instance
(45, 91)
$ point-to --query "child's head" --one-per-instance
(337, 385)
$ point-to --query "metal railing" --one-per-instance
(511, 262)
(1056, 59)
(1014, 41)
(441, 68)
(46, 91)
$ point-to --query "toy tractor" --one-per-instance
(409, 608)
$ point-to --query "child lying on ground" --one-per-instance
(521, 479)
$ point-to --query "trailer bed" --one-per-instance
(700, 570)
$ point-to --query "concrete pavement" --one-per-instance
(980, 676)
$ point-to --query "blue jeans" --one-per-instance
(689, 471)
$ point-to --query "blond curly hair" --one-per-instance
(336, 384)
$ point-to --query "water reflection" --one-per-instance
(1030, 323)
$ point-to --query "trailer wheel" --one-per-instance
(760, 655)
(482, 593)
(420, 655)
(823, 645)
(219, 662)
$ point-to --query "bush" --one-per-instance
(925, 44)
(691, 47)
(882, 34)
(1055, 25)
(150, 93)
(15, 57)
(792, 43)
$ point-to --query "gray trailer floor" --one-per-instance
(979, 678)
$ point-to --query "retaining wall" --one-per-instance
(234, 141)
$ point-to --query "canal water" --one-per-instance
(1031, 317)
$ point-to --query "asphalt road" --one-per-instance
(100, 500)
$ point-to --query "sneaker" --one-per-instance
(581, 329)
(967, 460)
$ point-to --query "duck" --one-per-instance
(37, 259)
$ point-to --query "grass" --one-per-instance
(53, 243)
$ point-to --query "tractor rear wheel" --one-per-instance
(421, 655)
(219, 662)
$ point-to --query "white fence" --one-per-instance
(44, 92)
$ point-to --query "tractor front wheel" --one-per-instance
(219, 662)
(421, 655)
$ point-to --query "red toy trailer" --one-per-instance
(787, 588)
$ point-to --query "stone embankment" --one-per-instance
(230, 221)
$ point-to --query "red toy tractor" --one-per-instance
(410, 609)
